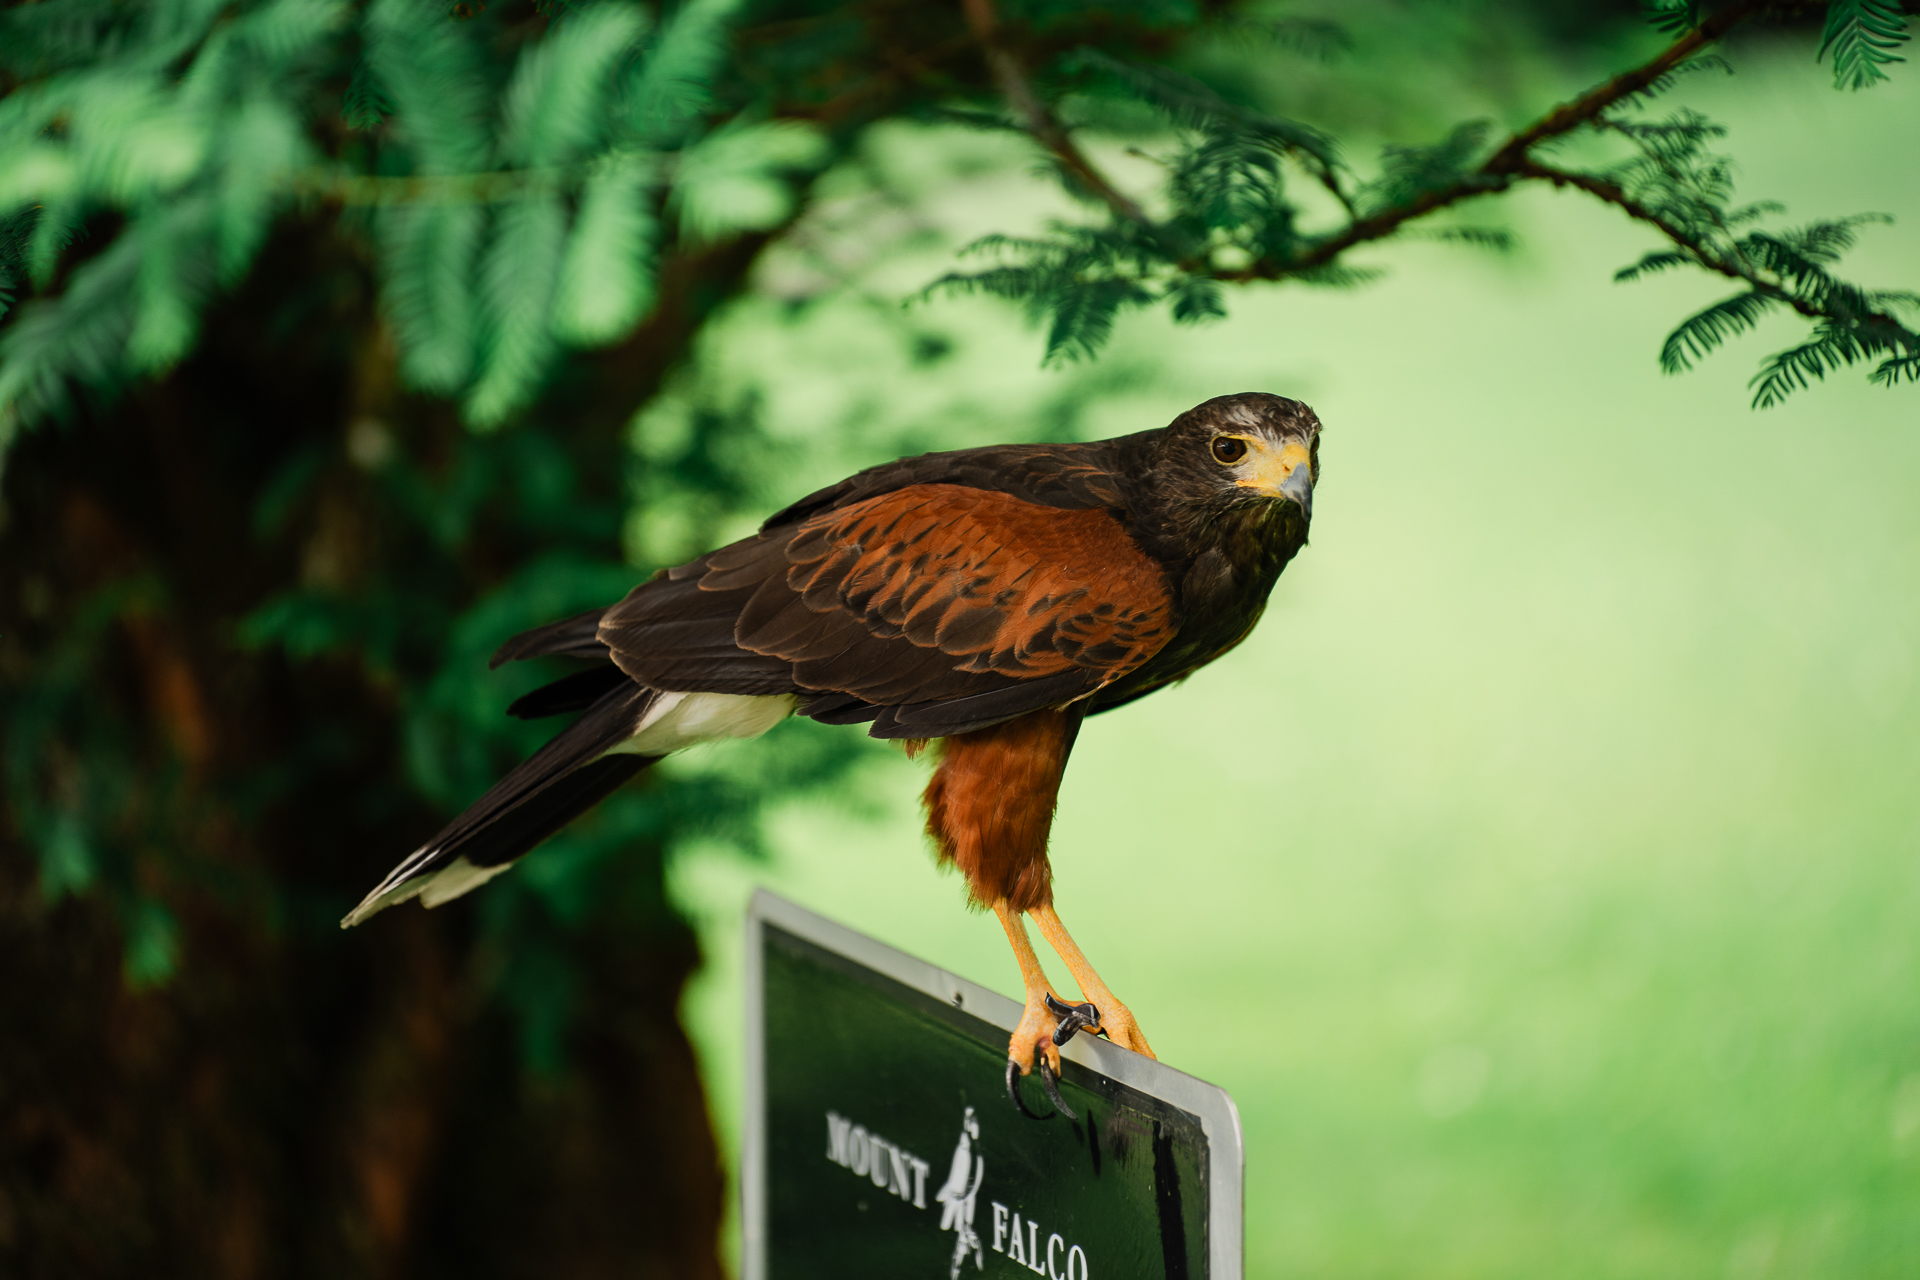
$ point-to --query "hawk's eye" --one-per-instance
(1229, 449)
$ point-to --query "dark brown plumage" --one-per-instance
(991, 598)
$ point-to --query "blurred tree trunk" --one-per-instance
(296, 1100)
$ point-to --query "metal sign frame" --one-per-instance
(1218, 1117)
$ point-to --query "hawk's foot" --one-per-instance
(1044, 1051)
(1033, 1038)
(1118, 1025)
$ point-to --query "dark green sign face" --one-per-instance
(888, 1146)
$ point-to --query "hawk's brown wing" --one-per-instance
(937, 607)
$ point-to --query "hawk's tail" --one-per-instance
(552, 787)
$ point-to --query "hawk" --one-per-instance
(983, 600)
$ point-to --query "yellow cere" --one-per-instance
(1268, 468)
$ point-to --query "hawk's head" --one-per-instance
(1251, 450)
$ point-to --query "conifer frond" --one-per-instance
(1672, 17)
(1082, 318)
(1691, 67)
(1656, 261)
(16, 234)
(366, 105)
(736, 178)
(1701, 332)
(1409, 172)
(1196, 300)
(262, 145)
(1497, 239)
(1796, 368)
(1862, 35)
(1852, 335)
(517, 274)
(195, 123)
(1802, 256)
(177, 270)
(1897, 369)
(427, 258)
(556, 106)
(606, 277)
(78, 337)
(668, 91)
(1230, 179)
(1319, 39)
(432, 73)
(57, 225)
(1193, 106)
(1338, 275)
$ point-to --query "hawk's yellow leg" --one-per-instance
(1115, 1018)
(1035, 1031)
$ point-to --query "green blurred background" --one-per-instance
(1542, 878)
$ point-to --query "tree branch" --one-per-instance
(1512, 162)
(1047, 130)
(1571, 115)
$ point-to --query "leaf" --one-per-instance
(1193, 105)
(133, 139)
(37, 172)
(556, 104)
(285, 31)
(516, 294)
(1692, 66)
(734, 179)
(1785, 372)
(260, 147)
(1801, 256)
(1896, 369)
(1410, 172)
(669, 91)
(1197, 300)
(1658, 260)
(366, 105)
(1229, 180)
(427, 254)
(1320, 39)
(606, 276)
(1701, 332)
(1497, 239)
(175, 242)
(1083, 318)
(80, 335)
(1862, 35)
(1835, 344)
(431, 70)
(1672, 17)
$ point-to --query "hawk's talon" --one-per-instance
(1013, 1089)
(1051, 1084)
(1048, 1081)
(1072, 1018)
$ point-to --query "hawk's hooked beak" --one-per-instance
(1286, 472)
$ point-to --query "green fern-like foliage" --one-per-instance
(1862, 36)
(1225, 202)
(1231, 211)
(1676, 178)
(516, 208)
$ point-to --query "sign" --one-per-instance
(881, 1142)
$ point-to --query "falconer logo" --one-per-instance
(956, 1196)
(902, 1174)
